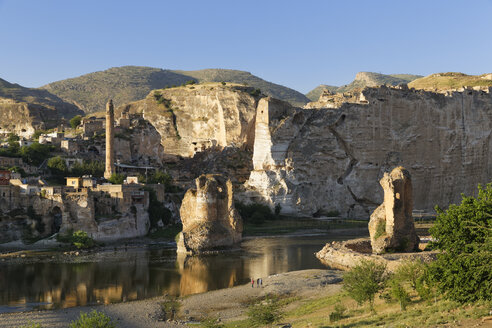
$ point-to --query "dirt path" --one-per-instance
(228, 304)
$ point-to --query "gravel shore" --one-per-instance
(227, 304)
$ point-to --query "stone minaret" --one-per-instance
(109, 140)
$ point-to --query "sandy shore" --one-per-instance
(227, 304)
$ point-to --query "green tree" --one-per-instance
(463, 271)
(94, 168)
(57, 166)
(117, 178)
(75, 121)
(36, 153)
(364, 280)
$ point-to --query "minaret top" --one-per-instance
(109, 106)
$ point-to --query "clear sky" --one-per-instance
(299, 44)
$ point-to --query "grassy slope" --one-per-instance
(122, 84)
(129, 83)
(443, 81)
(314, 312)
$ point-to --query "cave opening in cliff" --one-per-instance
(56, 214)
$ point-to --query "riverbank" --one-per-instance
(228, 304)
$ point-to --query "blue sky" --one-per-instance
(299, 44)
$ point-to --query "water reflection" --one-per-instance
(117, 276)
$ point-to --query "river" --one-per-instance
(118, 275)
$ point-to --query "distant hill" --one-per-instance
(451, 80)
(365, 79)
(129, 83)
(37, 97)
(314, 94)
(228, 75)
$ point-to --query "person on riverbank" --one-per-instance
(258, 283)
(252, 282)
(261, 283)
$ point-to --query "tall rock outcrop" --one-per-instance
(196, 117)
(318, 160)
(209, 218)
(391, 226)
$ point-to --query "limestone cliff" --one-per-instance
(318, 160)
(193, 118)
(209, 218)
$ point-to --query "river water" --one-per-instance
(111, 276)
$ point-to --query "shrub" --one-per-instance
(36, 153)
(32, 325)
(277, 210)
(75, 121)
(190, 82)
(157, 210)
(254, 213)
(364, 280)
(338, 312)
(79, 239)
(463, 232)
(398, 293)
(117, 178)
(211, 323)
(265, 312)
(94, 319)
(57, 166)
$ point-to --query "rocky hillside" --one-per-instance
(447, 81)
(314, 94)
(22, 110)
(129, 83)
(362, 80)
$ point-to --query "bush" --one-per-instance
(265, 312)
(36, 153)
(75, 121)
(338, 312)
(32, 325)
(157, 210)
(79, 239)
(57, 166)
(117, 178)
(363, 281)
(94, 319)
(255, 213)
(463, 232)
(94, 168)
(398, 293)
(211, 323)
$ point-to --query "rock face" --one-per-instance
(193, 118)
(391, 226)
(314, 161)
(209, 218)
